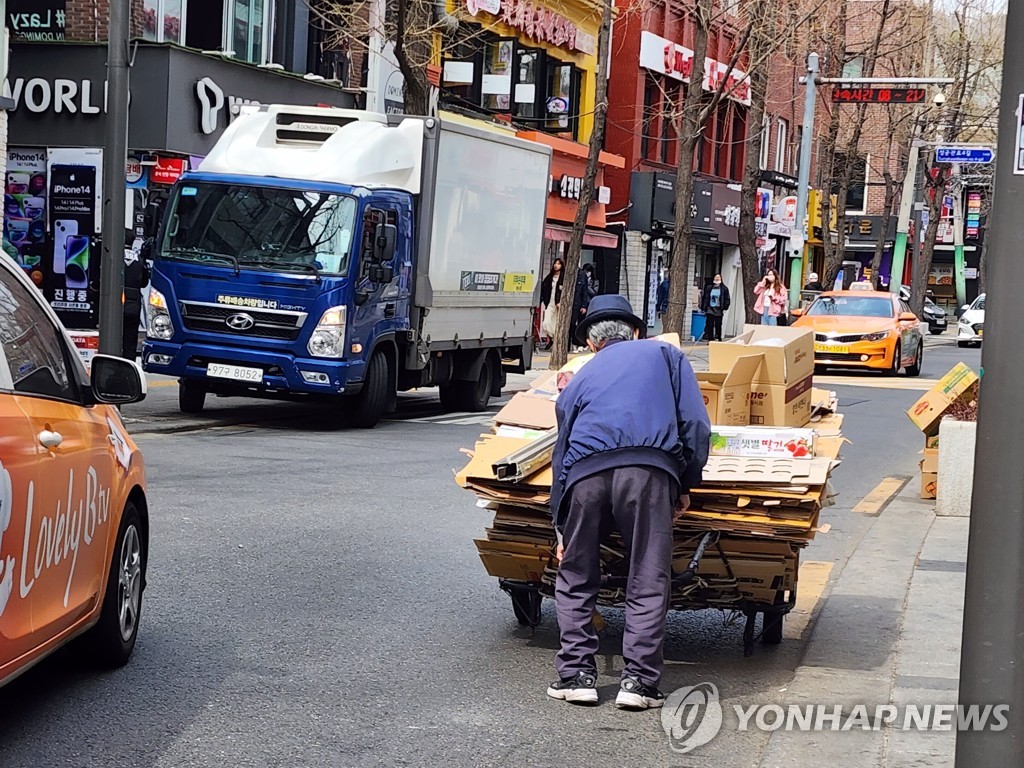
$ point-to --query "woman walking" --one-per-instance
(550, 298)
(772, 298)
(714, 302)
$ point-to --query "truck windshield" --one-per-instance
(262, 227)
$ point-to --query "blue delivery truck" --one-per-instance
(345, 256)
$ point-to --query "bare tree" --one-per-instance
(559, 352)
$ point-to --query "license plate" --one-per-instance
(830, 349)
(234, 372)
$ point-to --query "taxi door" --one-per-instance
(68, 536)
(18, 485)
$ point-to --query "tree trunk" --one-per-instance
(690, 129)
(416, 93)
(890, 200)
(750, 269)
(560, 347)
(935, 190)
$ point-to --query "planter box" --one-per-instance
(956, 467)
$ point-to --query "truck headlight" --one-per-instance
(160, 326)
(880, 336)
(328, 338)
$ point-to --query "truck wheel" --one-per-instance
(191, 396)
(366, 408)
(474, 395)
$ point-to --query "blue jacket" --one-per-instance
(637, 403)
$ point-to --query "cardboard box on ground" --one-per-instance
(763, 508)
(927, 413)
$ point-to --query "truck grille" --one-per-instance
(265, 323)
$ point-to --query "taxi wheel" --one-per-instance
(915, 369)
(113, 638)
(897, 360)
(191, 396)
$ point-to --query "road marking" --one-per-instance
(811, 582)
(913, 385)
(884, 492)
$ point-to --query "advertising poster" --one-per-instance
(25, 208)
(72, 279)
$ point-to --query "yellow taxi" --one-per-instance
(864, 329)
(74, 522)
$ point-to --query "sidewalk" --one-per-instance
(888, 633)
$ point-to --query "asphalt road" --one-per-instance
(315, 600)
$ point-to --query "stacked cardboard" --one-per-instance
(761, 498)
(956, 386)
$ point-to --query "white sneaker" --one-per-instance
(635, 695)
(581, 689)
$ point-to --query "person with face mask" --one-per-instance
(714, 302)
(772, 299)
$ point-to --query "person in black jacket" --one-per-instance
(550, 298)
(633, 438)
(714, 302)
(136, 277)
(585, 291)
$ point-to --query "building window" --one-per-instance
(781, 145)
(497, 79)
(561, 105)
(163, 21)
(528, 86)
(667, 146)
(249, 26)
(738, 157)
(647, 139)
(798, 143)
(766, 140)
(856, 195)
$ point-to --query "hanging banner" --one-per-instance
(72, 274)
(25, 207)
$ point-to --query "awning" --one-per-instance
(595, 238)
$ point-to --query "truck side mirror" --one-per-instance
(385, 238)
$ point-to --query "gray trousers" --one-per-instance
(639, 502)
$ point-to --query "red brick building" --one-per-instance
(651, 59)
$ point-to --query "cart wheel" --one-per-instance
(771, 626)
(526, 604)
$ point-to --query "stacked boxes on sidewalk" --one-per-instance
(774, 445)
(927, 413)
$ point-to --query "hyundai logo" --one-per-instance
(240, 322)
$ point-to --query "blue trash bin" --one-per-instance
(697, 324)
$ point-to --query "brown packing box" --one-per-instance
(927, 412)
(773, 405)
(929, 484)
(788, 354)
(504, 565)
(930, 463)
(931, 441)
(727, 393)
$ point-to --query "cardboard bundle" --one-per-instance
(760, 510)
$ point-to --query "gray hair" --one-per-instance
(603, 331)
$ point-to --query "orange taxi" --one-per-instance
(864, 329)
(74, 523)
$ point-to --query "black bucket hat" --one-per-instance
(609, 307)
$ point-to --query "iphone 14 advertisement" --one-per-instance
(73, 280)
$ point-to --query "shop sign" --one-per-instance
(725, 212)
(540, 24)
(492, 7)
(36, 20)
(60, 95)
(762, 215)
(212, 101)
(569, 187)
(168, 170)
(676, 61)
(133, 172)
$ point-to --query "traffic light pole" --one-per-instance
(115, 155)
(991, 671)
(798, 244)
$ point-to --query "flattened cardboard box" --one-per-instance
(727, 393)
(788, 354)
(927, 412)
(526, 410)
(930, 463)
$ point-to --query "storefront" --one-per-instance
(527, 63)
(181, 102)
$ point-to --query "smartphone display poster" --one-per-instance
(25, 189)
(72, 283)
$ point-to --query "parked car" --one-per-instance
(74, 522)
(932, 313)
(971, 326)
(864, 329)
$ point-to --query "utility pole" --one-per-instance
(798, 242)
(993, 638)
(115, 156)
(959, 263)
(899, 250)
(375, 50)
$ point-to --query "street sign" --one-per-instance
(964, 155)
(878, 95)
